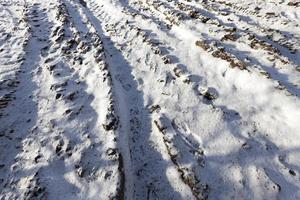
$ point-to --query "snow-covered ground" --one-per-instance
(149, 99)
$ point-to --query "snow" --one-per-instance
(131, 99)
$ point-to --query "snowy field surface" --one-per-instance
(149, 99)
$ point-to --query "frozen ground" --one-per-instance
(149, 99)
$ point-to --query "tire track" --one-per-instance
(26, 109)
(97, 159)
(76, 131)
(143, 156)
(11, 55)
